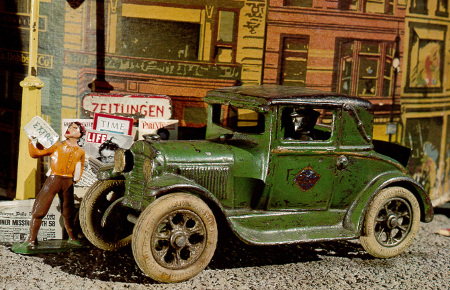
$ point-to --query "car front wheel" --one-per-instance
(174, 238)
(103, 219)
(390, 223)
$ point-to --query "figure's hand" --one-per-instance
(33, 140)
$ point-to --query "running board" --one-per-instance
(275, 227)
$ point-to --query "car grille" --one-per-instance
(213, 178)
(135, 179)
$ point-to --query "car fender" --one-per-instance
(357, 210)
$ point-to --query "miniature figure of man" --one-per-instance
(67, 163)
(304, 121)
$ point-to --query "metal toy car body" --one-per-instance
(257, 171)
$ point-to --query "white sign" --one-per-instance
(113, 124)
(146, 106)
(40, 129)
(151, 126)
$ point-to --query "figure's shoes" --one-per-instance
(74, 242)
(23, 248)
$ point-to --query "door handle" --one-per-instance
(342, 162)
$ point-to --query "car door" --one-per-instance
(302, 170)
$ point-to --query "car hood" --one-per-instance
(194, 152)
(244, 159)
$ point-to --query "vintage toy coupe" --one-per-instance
(279, 165)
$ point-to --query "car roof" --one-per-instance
(266, 95)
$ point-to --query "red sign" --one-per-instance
(143, 106)
(93, 137)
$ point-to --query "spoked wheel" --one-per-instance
(174, 238)
(391, 222)
(102, 217)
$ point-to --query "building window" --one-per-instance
(20, 6)
(419, 7)
(380, 6)
(426, 58)
(365, 68)
(298, 3)
(294, 61)
(225, 43)
(442, 8)
(159, 39)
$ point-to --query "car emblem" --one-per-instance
(306, 178)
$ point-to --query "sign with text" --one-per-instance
(151, 126)
(42, 131)
(141, 106)
(15, 218)
(113, 124)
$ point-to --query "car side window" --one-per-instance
(305, 124)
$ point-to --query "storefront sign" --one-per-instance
(143, 106)
(157, 67)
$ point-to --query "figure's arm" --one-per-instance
(39, 150)
(79, 168)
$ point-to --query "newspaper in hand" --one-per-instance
(40, 130)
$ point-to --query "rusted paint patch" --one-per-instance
(306, 178)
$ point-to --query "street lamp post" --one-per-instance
(392, 127)
(27, 167)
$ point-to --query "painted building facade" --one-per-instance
(392, 52)
(347, 48)
(426, 95)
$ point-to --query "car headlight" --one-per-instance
(120, 160)
(147, 169)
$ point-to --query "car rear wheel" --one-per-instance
(174, 238)
(390, 223)
(103, 219)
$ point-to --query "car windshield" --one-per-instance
(238, 119)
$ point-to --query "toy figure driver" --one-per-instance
(67, 160)
(304, 121)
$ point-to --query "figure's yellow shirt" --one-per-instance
(64, 158)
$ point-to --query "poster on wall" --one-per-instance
(446, 179)
(424, 136)
(426, 70)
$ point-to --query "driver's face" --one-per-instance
(298, 122)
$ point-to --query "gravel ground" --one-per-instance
(332, 265)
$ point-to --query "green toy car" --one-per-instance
(279, 164)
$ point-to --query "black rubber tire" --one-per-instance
(174, 238)
(116, 230)
(391, 222)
